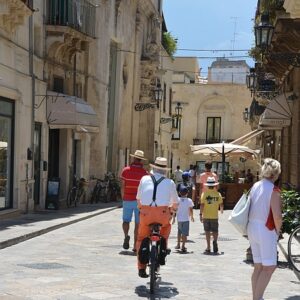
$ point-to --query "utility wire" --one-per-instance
(213, 50)
(200, 57)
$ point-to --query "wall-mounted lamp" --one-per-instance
(157, 94)
(251, 80)
(263, 32)
(175, 117)
(246, 114)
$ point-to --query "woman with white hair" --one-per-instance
(265, 221)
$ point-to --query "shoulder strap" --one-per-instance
(155, 183)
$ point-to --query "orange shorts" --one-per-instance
(149, 215)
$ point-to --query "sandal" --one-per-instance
(177, 247)
(183, 249)
(207, 251)
(126, 242)
(215, 247)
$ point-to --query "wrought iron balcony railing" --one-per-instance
(78, 14)
(210, 141)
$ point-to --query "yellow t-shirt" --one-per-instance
(211, 200)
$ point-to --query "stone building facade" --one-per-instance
(281, 59)
(71, 73)
(212, 113)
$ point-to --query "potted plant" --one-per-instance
(290, 210)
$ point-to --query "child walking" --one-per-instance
(184, 212)
(210, 201)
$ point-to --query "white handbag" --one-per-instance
(239, 216)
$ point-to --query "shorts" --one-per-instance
(211, 225)
(130, 207)
(184, 228)
(263, 244)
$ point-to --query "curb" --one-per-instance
(34, 234)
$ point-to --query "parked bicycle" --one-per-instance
(294, 248)
(76, 192)
(113, 188)
(100, 191)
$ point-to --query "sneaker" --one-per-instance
(126, 242)
(143, 274)
(215, 246)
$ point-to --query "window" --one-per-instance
(164, 98)
(176, 123)
(170, 101)
(6, 152)
(213, 130)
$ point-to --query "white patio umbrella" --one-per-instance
(223, 149)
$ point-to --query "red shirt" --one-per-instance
(131, 177)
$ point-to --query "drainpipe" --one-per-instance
(31, 73)
(133, 88)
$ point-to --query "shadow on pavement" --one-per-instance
(27, 220)
(163, 290)
(129, 253)
(292, 298)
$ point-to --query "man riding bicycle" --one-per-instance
(157, 199)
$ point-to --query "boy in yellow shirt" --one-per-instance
(210, 202)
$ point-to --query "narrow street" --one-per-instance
(86, 261)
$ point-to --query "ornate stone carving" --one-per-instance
(13, 14)
(65, 43)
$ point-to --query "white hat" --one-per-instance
(160, 163)
(211, 181)
(138, 154)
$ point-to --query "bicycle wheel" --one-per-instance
(68, 202)
(294, 249)
(71, 197)
(153, 264)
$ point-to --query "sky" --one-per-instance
(213, 25)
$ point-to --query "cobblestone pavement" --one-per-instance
(85, 261)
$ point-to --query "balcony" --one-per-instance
(77, 14)
(13, 13)
(197, 141)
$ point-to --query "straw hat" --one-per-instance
(160, 163)
(138, 154)
(211, 181)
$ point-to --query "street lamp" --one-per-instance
(246, 114)
(175, 117)
(157, 94)
(251, 80)
(263, 33)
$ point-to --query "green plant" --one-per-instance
(228, 178)
(290, 210)
(169, 43)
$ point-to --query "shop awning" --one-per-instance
(64, 111)
(247, 137)
(277, 114)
